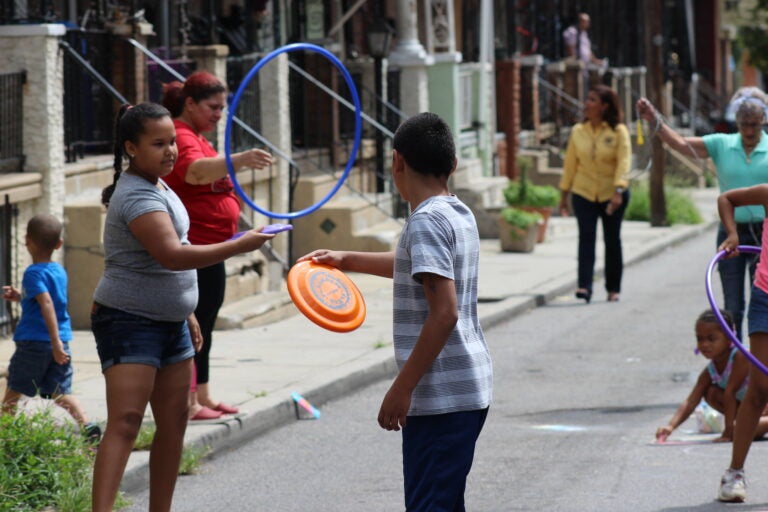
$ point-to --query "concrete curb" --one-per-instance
(219, 437)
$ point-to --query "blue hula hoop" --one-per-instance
(233, 108)
(716, 310)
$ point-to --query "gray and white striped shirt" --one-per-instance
(441, 238)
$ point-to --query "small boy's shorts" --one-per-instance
(32, 370)
(123, 337)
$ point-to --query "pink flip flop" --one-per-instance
(206, 413)
(226, 409)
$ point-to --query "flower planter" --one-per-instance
(546, 213)
(514, 239)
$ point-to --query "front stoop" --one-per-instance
(346, 222)
(259, 309)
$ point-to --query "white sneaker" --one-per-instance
(733, 486)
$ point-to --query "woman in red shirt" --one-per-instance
(200, 179)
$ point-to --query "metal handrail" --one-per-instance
(92, 71)
(383, 129)
(261, 138)
(559, 92)
(237, 120)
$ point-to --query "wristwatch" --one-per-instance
(619, 190)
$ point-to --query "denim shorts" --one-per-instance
(32, 370)
(126, 338)
(757, 315)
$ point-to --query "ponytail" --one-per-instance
(119, 152)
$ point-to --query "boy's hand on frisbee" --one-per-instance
(324, 256)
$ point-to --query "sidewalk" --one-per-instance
(257, 369)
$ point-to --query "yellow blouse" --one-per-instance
(596, 161)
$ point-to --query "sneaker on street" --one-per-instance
(733, 487)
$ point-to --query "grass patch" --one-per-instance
(145, 436)
(191, 458)
(43, 463)
(680, 206)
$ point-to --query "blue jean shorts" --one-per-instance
(757, 315)
(32, 370)
(127, 338)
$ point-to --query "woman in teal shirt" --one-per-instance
(741, 160)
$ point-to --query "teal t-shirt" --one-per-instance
(736, 170)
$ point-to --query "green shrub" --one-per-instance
(525, 193)
(520, 218)
(43, 464)
(680, 207)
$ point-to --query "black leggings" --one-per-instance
(587, 213)
(211, 284)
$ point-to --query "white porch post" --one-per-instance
(412, 59)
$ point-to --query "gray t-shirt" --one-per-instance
(134, 281)
(441, 238)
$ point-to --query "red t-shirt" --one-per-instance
(213, 208)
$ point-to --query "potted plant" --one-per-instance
(542, 199)
(518, 229)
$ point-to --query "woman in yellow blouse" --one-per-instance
(595, 176)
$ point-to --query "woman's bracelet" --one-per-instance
(657, 125)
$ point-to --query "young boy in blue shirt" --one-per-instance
(42, 361)
(442, 392)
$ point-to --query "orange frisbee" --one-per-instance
(326, 296)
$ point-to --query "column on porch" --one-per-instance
(34, 48)
(508, 102)
(412, 60)
(530, 115)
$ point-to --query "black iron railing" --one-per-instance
(88, 108)
(11, 121)
(249, 106)
(8, 217)
(13, 11)
(157, 75)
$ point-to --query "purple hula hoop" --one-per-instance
(716, 310)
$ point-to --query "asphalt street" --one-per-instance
(579, 392)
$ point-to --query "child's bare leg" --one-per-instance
(194, 404)
(762, 427)
(751, 408)
(170, 408)
(10, 401)
(129, 387)
(72, 405)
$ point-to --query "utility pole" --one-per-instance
(655, 86)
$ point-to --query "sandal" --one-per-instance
(206, 413)
(226, 409)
